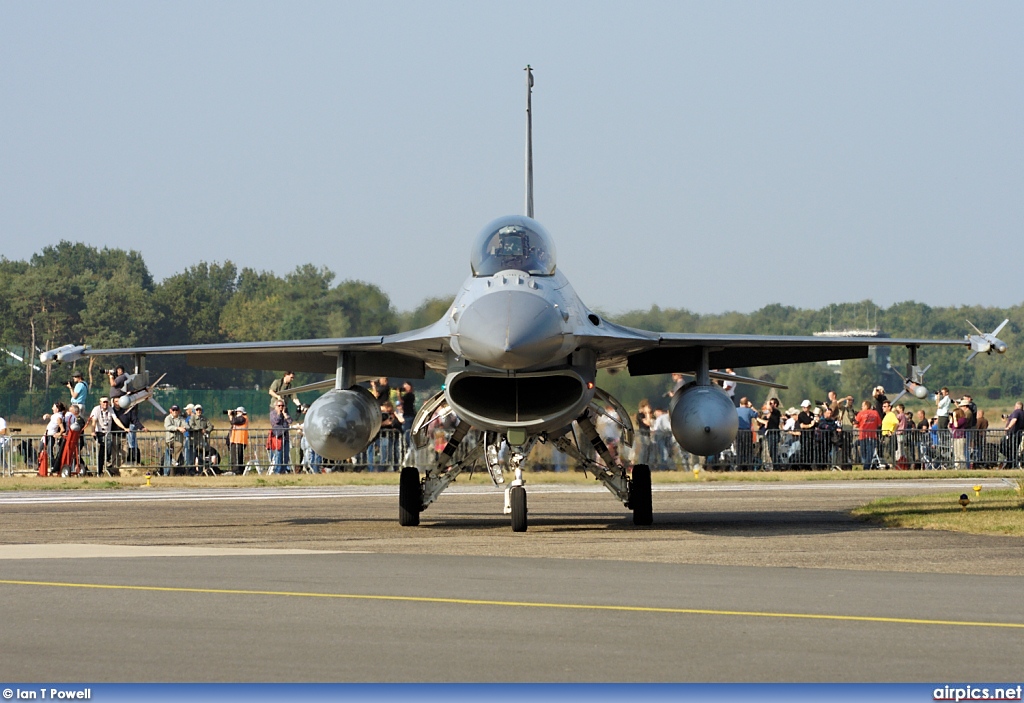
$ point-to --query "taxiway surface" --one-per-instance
(734, 582)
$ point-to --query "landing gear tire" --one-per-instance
(517, 496)
(640, 495)
(410, 497)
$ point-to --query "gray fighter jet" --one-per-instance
(520, 353)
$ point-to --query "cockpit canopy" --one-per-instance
(514, 242)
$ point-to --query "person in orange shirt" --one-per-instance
(238, 440)
(867, 423)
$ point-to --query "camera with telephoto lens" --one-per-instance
(228, 412)
(104, 372)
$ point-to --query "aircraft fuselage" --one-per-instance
(514, 360)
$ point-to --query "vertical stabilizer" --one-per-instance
(529, 141)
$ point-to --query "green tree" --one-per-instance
(188, 308)
(355, 308)
(427, 313)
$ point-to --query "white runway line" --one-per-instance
(106, 551)
(137, 495)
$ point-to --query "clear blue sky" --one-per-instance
(714, 156)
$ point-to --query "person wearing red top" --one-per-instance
(867, 423)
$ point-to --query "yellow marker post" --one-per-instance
(148, 476)
(977, 491)
(696, 472)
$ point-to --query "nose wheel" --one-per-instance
(517, 501)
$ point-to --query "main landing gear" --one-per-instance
(410, 497)
(640, 496)
(416, 493)
(634, 491)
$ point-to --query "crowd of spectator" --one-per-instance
(836, 432)
(880, 434)
(109, 424)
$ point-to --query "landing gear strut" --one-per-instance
(634, 491)
(415, 495)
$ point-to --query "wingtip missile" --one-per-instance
(72, 354)
(68, 352)
(986, 342)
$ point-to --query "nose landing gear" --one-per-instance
(517, 502)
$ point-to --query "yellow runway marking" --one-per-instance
(522, 604)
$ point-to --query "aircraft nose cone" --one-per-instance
(510, 330)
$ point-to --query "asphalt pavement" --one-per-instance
(766, 582)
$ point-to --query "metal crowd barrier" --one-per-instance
(911, 449)
(216, 454)
(777, 450)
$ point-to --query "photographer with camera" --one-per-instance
(175, 428)
(199, 428)
(943, 405)
(117, 378)
(770, 423)
(829, 438)
(842, 408)
(78, 388)
(385, 448)
(381, 389)
(881, 398)
(277, 389)
(278, 441)
(1009, 447)
(238, 438)
(806, 420)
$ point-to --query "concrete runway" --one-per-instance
(734, 582)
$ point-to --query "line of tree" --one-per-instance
(76, 293)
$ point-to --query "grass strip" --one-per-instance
(990, 512)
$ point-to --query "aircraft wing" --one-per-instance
(404, 355)
(644, 353)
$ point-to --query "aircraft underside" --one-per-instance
(574, 429)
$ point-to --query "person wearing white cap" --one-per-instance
(238, 439)
(198, 438)
(805, 420)
(943, 405)
(175, 428)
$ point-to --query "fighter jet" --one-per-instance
(520, 352)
